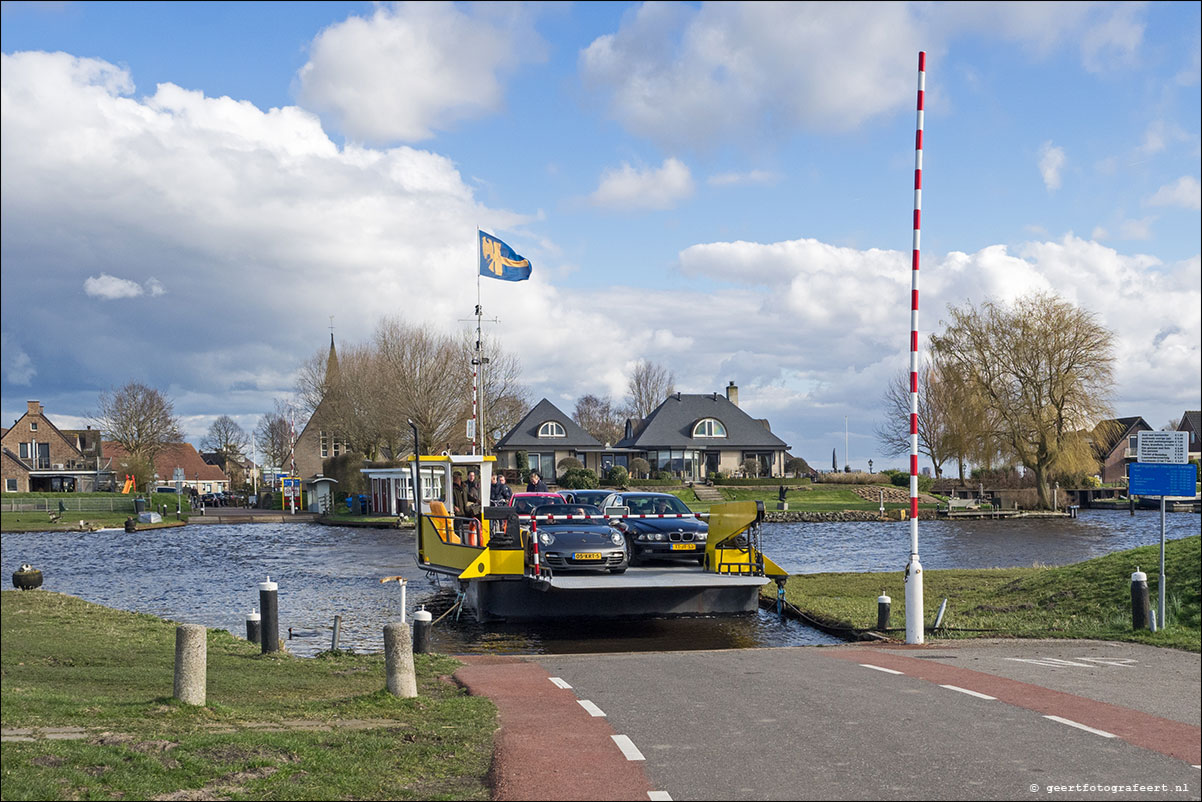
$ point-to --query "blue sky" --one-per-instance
(724, 189)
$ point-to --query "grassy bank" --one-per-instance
(69, 522)
(1091, 599)
(275, 727)
(808, 498)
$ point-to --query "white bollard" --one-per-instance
(398, 661)
(914, 623)
(191, 655)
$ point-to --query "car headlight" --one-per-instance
(617, 538)
(546, 538)
(699, 537)
(659, 535)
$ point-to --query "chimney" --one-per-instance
(732, 394)
(33, 408)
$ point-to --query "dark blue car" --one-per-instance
(673, 538)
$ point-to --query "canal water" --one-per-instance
(207, 574)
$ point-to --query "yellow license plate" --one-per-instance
(684, 546)
(587, 555)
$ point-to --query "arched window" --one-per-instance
(709, 427)
(551, 429)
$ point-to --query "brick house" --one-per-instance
(40, 457)
(1115, 445)
(1191, 422)
(318, 441)
(198, 474)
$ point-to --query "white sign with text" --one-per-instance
(1163, 447)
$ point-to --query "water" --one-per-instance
(207, 574)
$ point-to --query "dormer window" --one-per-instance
(551, 429)
(709, 427)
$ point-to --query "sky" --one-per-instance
(191, 190)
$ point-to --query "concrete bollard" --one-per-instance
(254, 627)
(1140, 601)
(422, 623)
(337, 632)
(269, 603)
(398, 661)
(191, 655)
(883, 606)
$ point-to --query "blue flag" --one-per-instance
(497, 260)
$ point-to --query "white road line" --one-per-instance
(879, 668)
(592, 709)
(628, 748)
(970, 693)
(656, 796)
(1103, 733)
(559, 683)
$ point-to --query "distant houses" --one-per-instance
(690, 436)
(39, 457)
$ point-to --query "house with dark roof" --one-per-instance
(547, 436)
(40, 457)
(1115, 444)
(693, 436)
(198, 474)
(1191, 422)
(689, 436)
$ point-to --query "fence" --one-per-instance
(73, 504)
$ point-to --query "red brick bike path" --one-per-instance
(548, 746)
(1172, 738)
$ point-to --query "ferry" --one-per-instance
(494, 557)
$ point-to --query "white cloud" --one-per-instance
(416, 68)
(729, 72)
(110, 288)
(749, 177)
(1185, 192)
(18, 367)
(1137, 229)
(155, 287)
(1051, 161)
(628, 187)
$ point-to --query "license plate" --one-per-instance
(587, 555)
(684, 546)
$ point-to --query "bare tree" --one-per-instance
(599, 417)
(650, 383)
(274, 435)
(941, 431)
(140, 418)
(1043, 369)
(506, 399)
(226, 438)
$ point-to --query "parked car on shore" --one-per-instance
(671, 538)
(525, 502)
(584, 544)
(594, 497)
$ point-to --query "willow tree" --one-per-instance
(1043, 371)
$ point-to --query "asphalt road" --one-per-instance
(816, 723)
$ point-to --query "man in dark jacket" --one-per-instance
(536, 485)
(458, 495)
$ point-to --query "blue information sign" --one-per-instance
(1161, 479)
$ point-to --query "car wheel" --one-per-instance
(633, 561)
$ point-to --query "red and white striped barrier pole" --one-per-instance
(914, 633)
(534, 545)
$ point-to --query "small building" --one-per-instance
(40, 457)
(1115, 444)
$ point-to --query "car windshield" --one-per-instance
(655, 505)
(524, 504)
(567, 509)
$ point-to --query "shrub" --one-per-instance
(617, 475)
(664, 476)
(578, 479)
(640, 468)
(568, 464)
(345, 469)
(903, 480)
(751, 467)
(797, 466)
(717, 476)
(522, 463)
(856, 478)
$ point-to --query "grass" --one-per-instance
(1091, 599)
(66, 662)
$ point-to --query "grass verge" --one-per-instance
(275, 727)
(1091, 599)
(807, 498)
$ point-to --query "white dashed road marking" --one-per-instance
(592, 709)
(628, 748)
(1103, 733)
(970, 693)
(880, 668)
(655, 796)
(559, 683)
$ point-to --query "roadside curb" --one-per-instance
(548, 746)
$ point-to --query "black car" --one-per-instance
(585, 542)
(595, 497)
(668, 538)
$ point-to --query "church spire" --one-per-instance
(332, 374)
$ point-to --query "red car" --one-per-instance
(525, 502)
